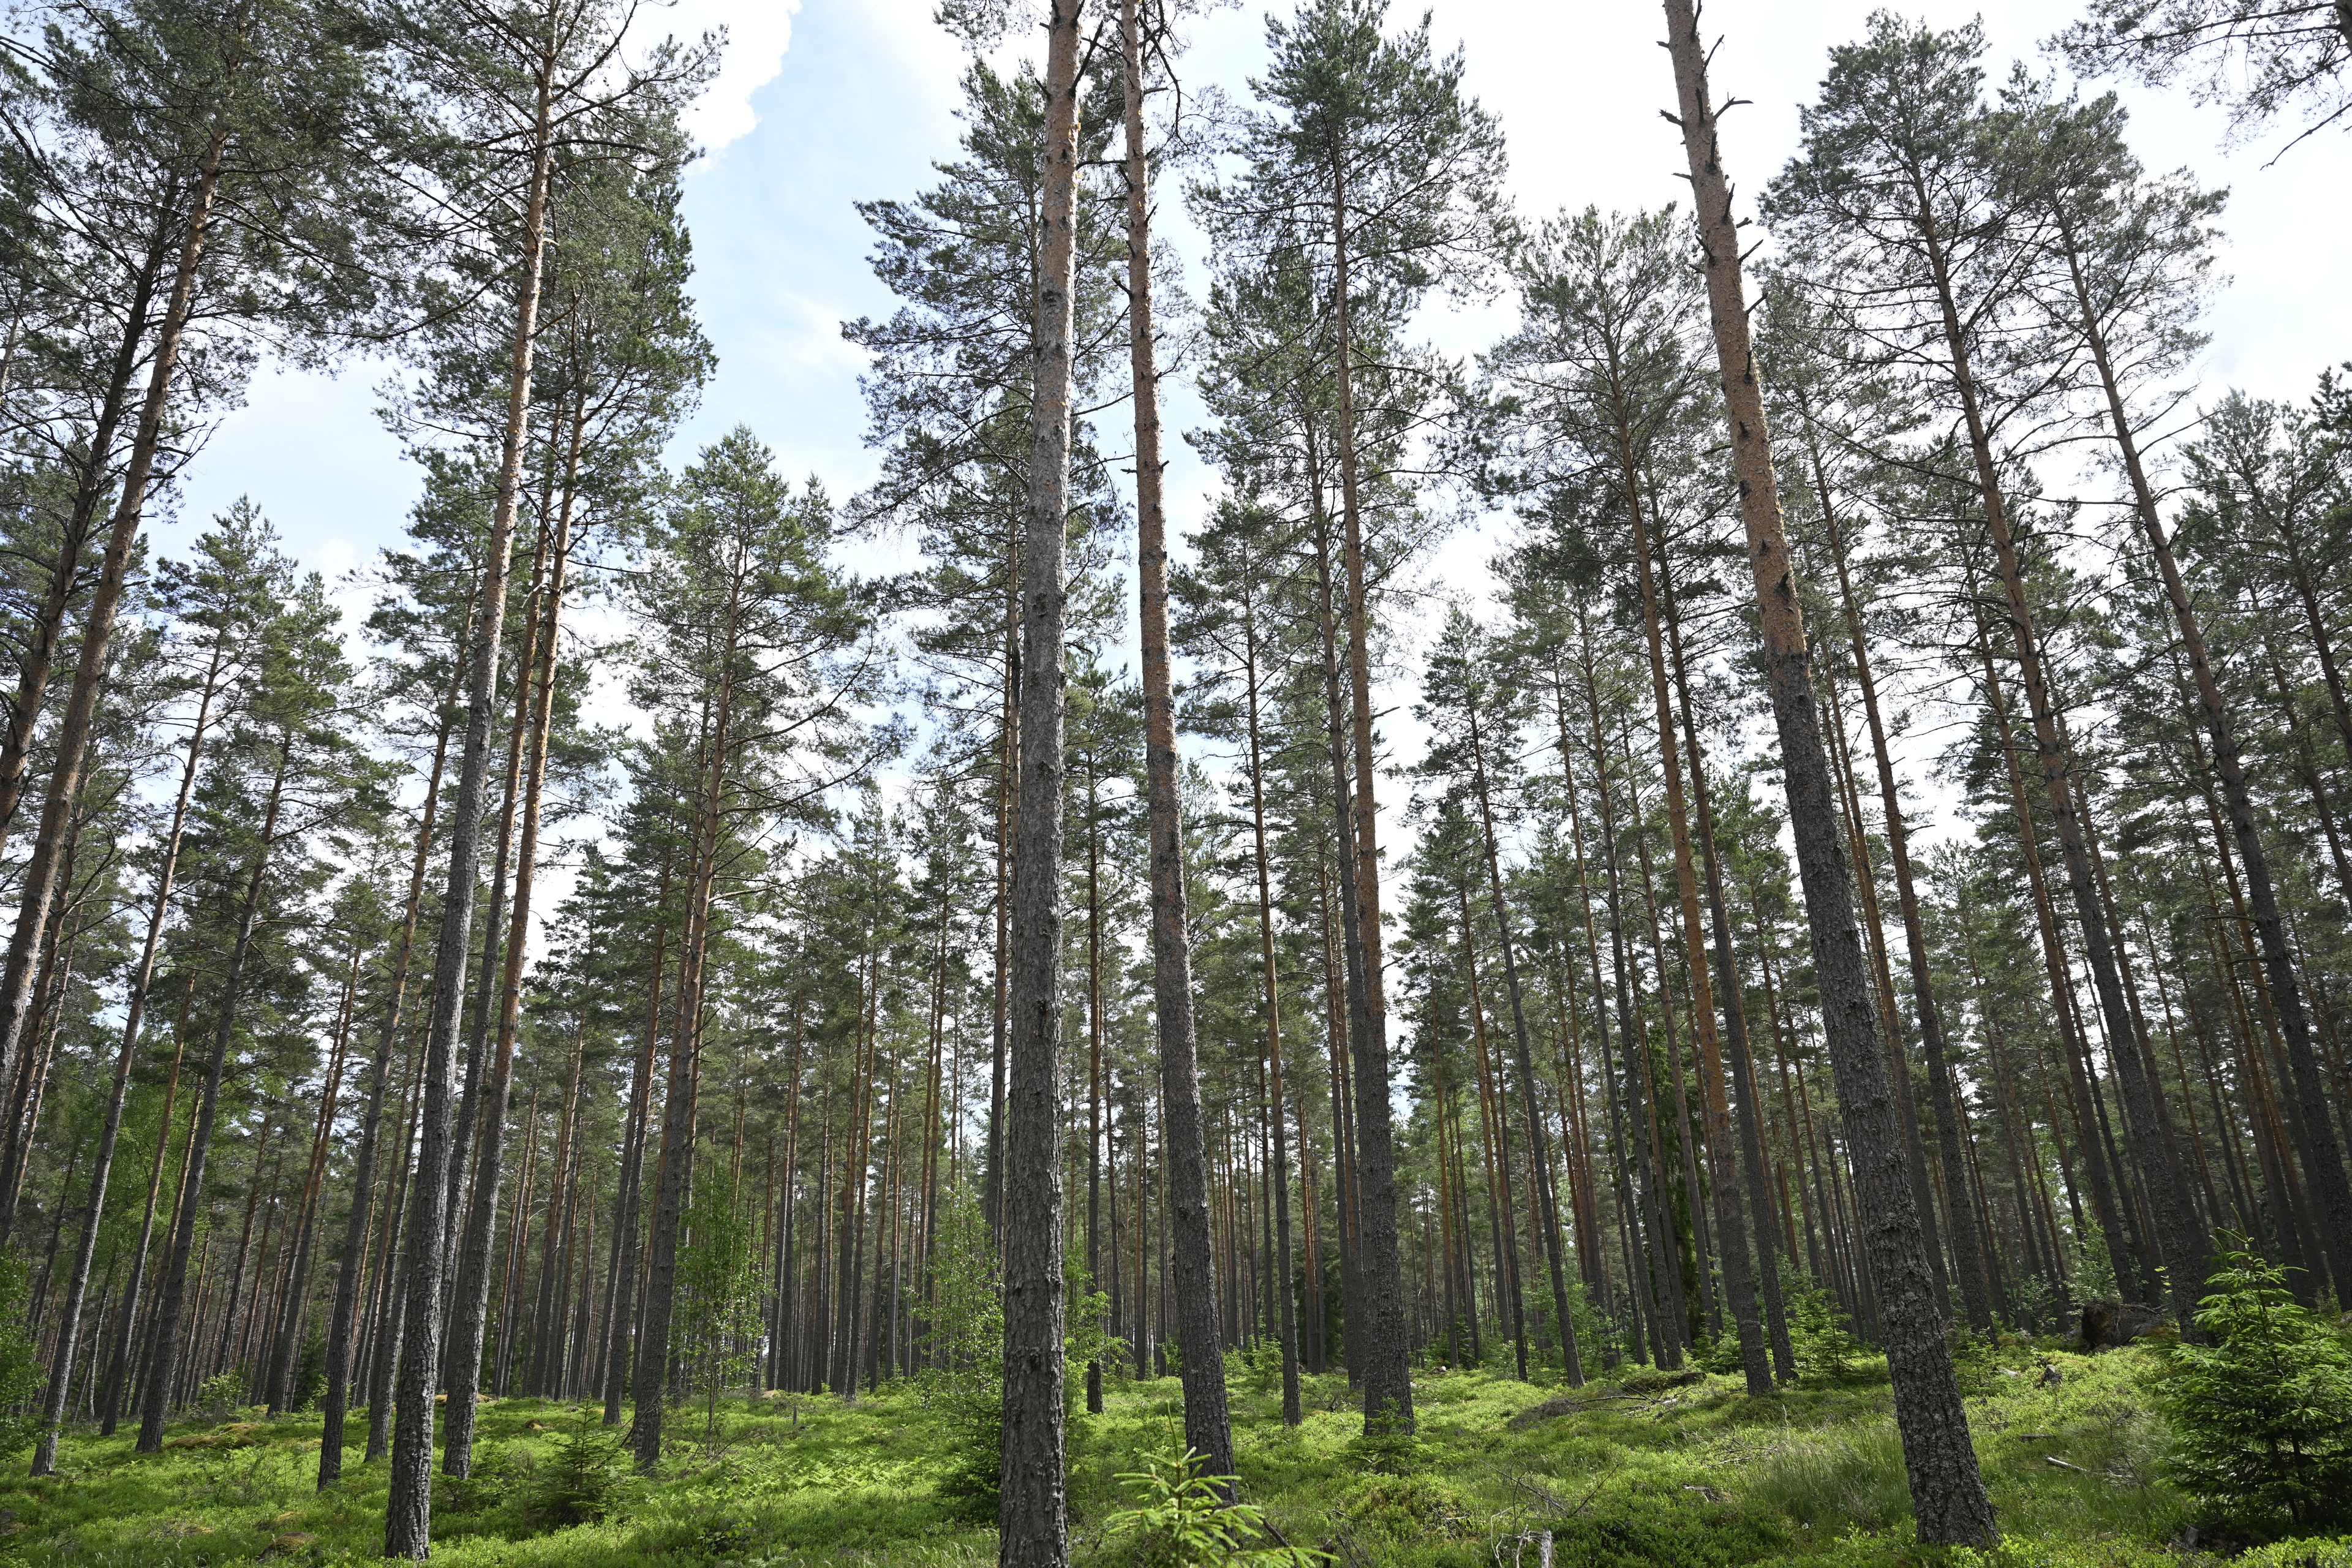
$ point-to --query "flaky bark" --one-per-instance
(1208, 1425)
(1378, 1346)
(1034, 1516)
(1947, 1493)
(408, 1510)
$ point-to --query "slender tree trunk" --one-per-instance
(1970, 1264)
(2325, 1158)
(1382, 1345)
(156, 1391)
(1291, 1411)
(1947, 1491)
(355, 1234)
(1033, 1520)
(1747, 1112)
(118, 1371)
(2179, 1232)
(41, 881)
(1538, 1151)
(45, 1453)
(1208, 1427)
(408, 1512)
(536, 676)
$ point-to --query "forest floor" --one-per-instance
(1635, 1470)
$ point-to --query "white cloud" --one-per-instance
(758, 34)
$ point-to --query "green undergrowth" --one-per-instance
(1633, 1469)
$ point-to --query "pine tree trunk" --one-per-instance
(1966, 1230)
(46, 635)
(535, 677)
(45, 1454)
(341, 1326)
(1738, 1279)
(1746, 1112)
(1208, 1427)
(127, 1317)
(408, 1510)
(1291, 1410)
(1947, 1491)
(287, 1338)
(1033, 1520)
(650, 1382)
(1538, 1151)
(1384, 1345)
(155, 1394)
(40, 879)
(2323, 1155)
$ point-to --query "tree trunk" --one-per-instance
(536, 678)
(155, 1394)
(1208, 1426)
(408, 1510)
(1947, 1491)
(618, 1361)
(1538, 1151)
(1382, 1340)
(1291, 1410)
(2324, 1157)
(1748, 1112)
(355, 1232)
(45, 1454)
(40, 876)
(1033, 1520)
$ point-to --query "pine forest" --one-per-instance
(1394, 874)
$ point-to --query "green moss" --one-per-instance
(1637, 1471)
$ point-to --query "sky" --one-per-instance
(819, 106)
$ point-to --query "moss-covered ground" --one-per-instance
(1634, 1471)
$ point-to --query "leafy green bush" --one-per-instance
(2261, 1416)
(1182, 1521)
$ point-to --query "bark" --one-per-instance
(649, 1382)
(626, 1199)
(537, 681)
(127, 1314)
(1382, 1345)
(1947, 1491)
(1738, 1279)
(1034, 1516)
(1291, 1410)
(40, 876)
(1208, 1425)
(1538, 1149)
(1748, 1111)
(340, 1332)
(408, 1510)
(45, 1453)
(288, 1339)
(155, 1393)
(46, 634)
(2323, 1156)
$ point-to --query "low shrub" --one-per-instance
(2262, 1416)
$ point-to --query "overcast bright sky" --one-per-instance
(842, 102)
